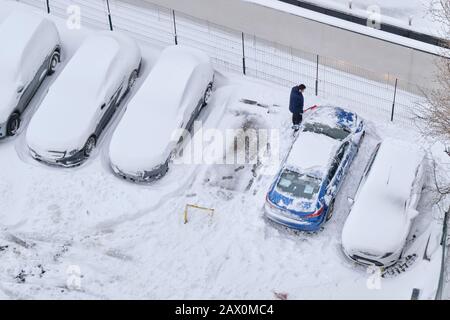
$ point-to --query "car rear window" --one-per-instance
(337, 133)
(298, 185)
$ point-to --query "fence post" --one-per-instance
(444, 244)
(244, 68)
(175, 27)
(48, 6)
(393, 103)
(109, 16)
(317, 76)
(415, 294)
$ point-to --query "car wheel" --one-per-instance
(13, 124)
(166, 167)
(54, 60)
(330, 210)
(90, 145)
(132, 79)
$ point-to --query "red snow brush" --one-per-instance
(280, 295)
(312, 108)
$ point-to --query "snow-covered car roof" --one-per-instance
(382, 201)
(144, 136)
(16, 33)
(312, 153)
(75, 97)
(333, 117)
(19, 34)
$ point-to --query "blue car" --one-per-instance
(303, 194)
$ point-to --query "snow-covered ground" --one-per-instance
(436, 29)
(397, 12)
(86, 234)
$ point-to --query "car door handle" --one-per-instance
(103, 106)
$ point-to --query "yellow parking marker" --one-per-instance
(211, 211)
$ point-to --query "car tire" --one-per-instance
(13, 124)
(54, 60)
(330, 210)
(166, 169)
(89, 146)
(132, 80)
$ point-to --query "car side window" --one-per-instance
(341, 153)
(337, 162)
(372, 160)
(332, 171)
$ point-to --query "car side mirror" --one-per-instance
(20, 88)
(351, 201)
(412, 213)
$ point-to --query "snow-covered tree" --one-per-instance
(437, 111)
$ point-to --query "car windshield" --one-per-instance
(298, 185)
(335, 133)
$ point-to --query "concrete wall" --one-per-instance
(381, 57)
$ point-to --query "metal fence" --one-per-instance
(444, 244)
(375, 96)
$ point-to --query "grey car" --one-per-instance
(30, 53)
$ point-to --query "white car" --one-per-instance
(385, 205)
(171, 98)
(83, 99)
(30, 51)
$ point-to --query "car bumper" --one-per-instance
(280, 217)
(144, 177)
(71, 161)
(366, 260)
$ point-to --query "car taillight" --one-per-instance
(315, 214)
(268, 201)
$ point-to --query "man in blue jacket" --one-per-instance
(296, 105)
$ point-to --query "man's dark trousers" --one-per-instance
(297, 118)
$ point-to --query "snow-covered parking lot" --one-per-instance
(84, 233)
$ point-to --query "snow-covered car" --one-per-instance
(171, 98)
(80, 104)
(30, 51)
(385, 204)
(303, 194)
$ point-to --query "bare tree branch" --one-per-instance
(435, 112)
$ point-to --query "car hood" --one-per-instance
(65, 133)
(359, 231)
(132, 156)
